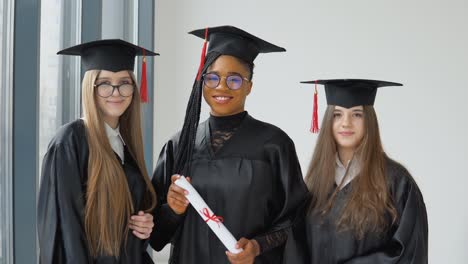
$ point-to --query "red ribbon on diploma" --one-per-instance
(213, 217)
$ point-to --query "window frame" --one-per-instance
(6, 132)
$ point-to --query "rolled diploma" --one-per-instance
(202, 208)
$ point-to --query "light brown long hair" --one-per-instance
(108, 200)
(369, 204)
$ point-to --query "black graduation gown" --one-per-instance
(254, 182)
(61, 202)
(316, 240)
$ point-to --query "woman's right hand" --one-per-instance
(176, 196)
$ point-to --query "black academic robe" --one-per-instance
(60, 219)
(254, 182)
(316, 240)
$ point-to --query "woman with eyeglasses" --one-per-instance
(246, 170)
(364, 207)
(95, 198)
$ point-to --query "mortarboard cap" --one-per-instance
(348, 93)
(111, 55)
(108, 54)
(351, 92)
(229, 40)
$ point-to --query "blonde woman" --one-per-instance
(95, 189)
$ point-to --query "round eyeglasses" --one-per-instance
(233, 82)
(106, 90)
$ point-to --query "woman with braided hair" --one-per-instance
(246, 170)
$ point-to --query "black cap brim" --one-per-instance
(351, 92)
(229, 40)
(109, 54)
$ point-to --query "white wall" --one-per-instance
(423, 45)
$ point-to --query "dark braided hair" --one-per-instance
(183, 158)
(188, 134)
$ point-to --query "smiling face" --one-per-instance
(348, 127)
(222, 100)
(114, 106)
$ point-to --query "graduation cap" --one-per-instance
(229, 40)
(111, 55)
(347, 93)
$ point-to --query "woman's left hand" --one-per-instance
(250, 248)
(141, 224)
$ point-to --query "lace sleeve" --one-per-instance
(272, 240)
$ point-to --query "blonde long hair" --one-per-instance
(369, 204)
(109, 202)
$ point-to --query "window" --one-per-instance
(6, 62)
(59, 75)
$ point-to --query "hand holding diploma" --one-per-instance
(251, 249)
(176, 196)
(213, 221)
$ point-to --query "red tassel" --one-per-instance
(144, 83)
(203, 55)
(315, 127)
